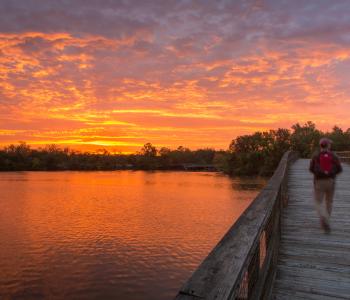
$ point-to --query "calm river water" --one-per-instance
(111, 235)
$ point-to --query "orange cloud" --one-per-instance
(171, 80)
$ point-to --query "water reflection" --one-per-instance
(111, 235)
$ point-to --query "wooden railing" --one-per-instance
(242, 265)
(344, 156)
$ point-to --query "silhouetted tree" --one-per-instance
(149, 150)
(304, 139)
(260, 152)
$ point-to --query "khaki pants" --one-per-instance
(324, 192)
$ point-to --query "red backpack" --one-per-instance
(326, 162)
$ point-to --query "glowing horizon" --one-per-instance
(92, 75)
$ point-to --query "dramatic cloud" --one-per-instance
(118, 74)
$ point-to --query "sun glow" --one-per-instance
(198, 82)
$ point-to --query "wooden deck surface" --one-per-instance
(313, 264)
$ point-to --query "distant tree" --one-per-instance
(149, 150)
(19, 156)
(221, 161)
(304, 139)
(37, 164)
(165, 157)
(164, 151)
(340, 138)
(280, 143)
(204, 156)
(250, 152)
(256, 142)
(147, 158)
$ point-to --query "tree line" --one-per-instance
(22, 157)
(252, 154)
(260, 153)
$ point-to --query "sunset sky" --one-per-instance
(93, 74)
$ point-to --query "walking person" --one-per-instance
(325, 166)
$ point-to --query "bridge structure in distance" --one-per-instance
(277, 249)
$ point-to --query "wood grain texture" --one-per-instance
(311, 263)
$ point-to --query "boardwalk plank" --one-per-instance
(312, 264)
(286, 294)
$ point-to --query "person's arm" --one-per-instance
(312, 165)
(338, 167)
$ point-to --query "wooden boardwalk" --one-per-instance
(313, 264)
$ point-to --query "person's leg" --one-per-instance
(329, 195)
(319, 195)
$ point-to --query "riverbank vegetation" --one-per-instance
(260, 153)
(254, 154)
(50, 158)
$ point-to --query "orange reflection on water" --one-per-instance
(107, 234)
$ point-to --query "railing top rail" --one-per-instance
(342, 153)
(344, 156)
(222, 270)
